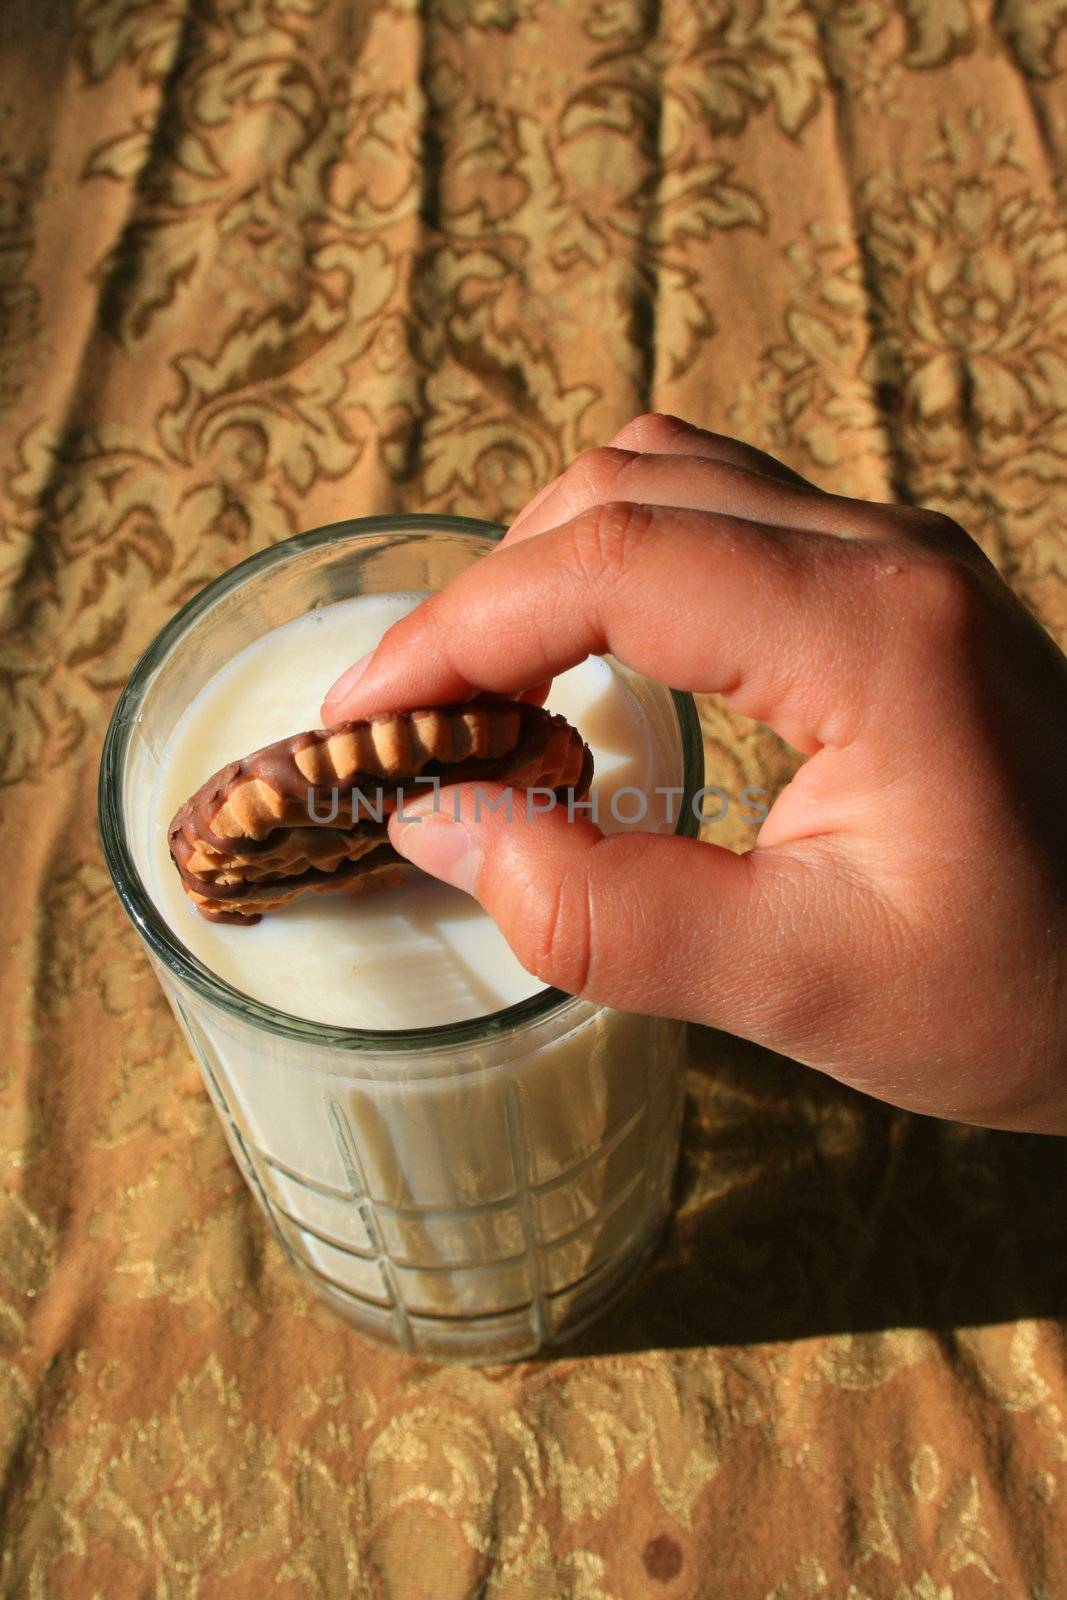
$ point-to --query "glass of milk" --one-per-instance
(462, 1163)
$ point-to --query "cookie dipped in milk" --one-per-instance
(423, 953)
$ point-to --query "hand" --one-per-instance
(901, 922)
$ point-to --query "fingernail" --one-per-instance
(440, 846)
(347, 681)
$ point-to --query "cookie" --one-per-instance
(311, 811)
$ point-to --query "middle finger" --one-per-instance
(694, 483)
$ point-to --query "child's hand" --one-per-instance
(902, 920)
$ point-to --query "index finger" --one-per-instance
(698, 600)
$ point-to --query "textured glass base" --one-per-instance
(544, 1249)
(513, 1336)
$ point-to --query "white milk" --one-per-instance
(413, 956)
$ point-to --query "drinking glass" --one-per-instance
(473, 1191)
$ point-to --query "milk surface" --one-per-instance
(417, 955)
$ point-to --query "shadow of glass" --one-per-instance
(805, 1208)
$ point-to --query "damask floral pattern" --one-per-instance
(21, 346)
(265, 263)
(930, 350)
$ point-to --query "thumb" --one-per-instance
(645, 922)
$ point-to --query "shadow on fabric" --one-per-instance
(805, 1208)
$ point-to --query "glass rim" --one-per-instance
(157, 934)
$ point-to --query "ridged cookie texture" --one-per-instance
(311, 811)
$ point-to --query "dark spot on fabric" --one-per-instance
(662, 1558)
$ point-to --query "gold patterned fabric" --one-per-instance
(268, 263)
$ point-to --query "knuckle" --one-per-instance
(943, 595)
(945, 529)
(653, 430)
(605, 538)
(936, 532)
(940, 531)
(928, 611)
(553, 931)
(598, 470)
